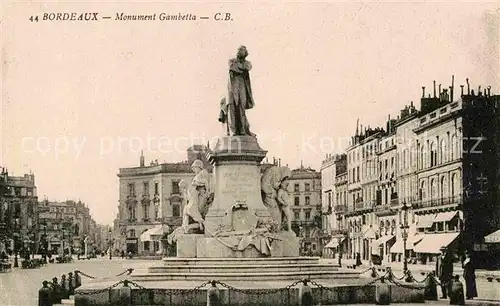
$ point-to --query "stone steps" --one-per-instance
(250, 276)
(242, 268)
(240, 261)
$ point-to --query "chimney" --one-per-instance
(434, 85)
(452, 87)
(279, 162)
(489, 91)
(461, 90)
(440, 94)
(485, 93)
(479, 90)
(423, 91)
(141, 160)
(468, 86)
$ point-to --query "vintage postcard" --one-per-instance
(264, 153)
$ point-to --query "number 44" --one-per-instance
(34, 18)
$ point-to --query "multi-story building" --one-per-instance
(64, 226)
(362, 178)
(328, 175)
(305, 188)
(436, 180)
(18, 213)
(151, 203)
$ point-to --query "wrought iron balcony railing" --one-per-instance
(453, 200)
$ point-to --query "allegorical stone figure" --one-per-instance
(272, 181)
(239, 96)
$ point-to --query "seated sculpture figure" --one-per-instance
(271, 182)
(196, 201)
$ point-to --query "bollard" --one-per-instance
(64, 290)
(125, 294)
(71, 284)
(44, 295)
(56, 291)
(305, 294)
(430, 292)
(457, 292)
(382, 293)
(78, 279)
(213, 295)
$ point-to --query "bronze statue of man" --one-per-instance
(239, 98)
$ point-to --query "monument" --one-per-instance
(236, 224)
(232, 220)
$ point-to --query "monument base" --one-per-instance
(199, 246)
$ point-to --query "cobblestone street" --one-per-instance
(20, 286)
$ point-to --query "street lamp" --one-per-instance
(339, 219)
(404, 234)
(110, 244)
(44, 242)
(16, 234)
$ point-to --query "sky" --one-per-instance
(82, 99)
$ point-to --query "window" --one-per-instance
(17, 191)
(296, 187)
(308, 201)
(307, 187)
(296, 215)
(146, 188)
(357, 174)
(30, 191)
(156, 188)
(443, 153)
(131, 189)
(146, 210)
(297, 201)
(307, 215)
(176, 211)
(131, 233)
(433, 189)
(175, 187)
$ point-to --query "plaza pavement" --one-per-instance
(20, 286)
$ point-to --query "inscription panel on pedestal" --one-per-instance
(239, 185)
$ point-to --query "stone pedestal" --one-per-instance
(237, 204)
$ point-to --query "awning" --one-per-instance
(332, 244)
(445, 216)
(381, 240)
(397, 247)
(426, 221)
(151, 234)
(369, 233)
(432, 243)
(493, 237)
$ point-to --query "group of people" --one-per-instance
(444, 271)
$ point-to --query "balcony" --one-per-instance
(433, 203)
(340, 232)
(383, 210)
(394, 199)
(358, 204)
(340, 209)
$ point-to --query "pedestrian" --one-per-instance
(358, 260)
(444, 271)
(469, 276)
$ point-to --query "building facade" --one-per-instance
(305, 189)
(18, 213)
(64, 226)
(151, 203)
(428, 179)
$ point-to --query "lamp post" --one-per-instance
(110, 244)
(44, 242)
(404, 234)
(16, 234)
(339, 219)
